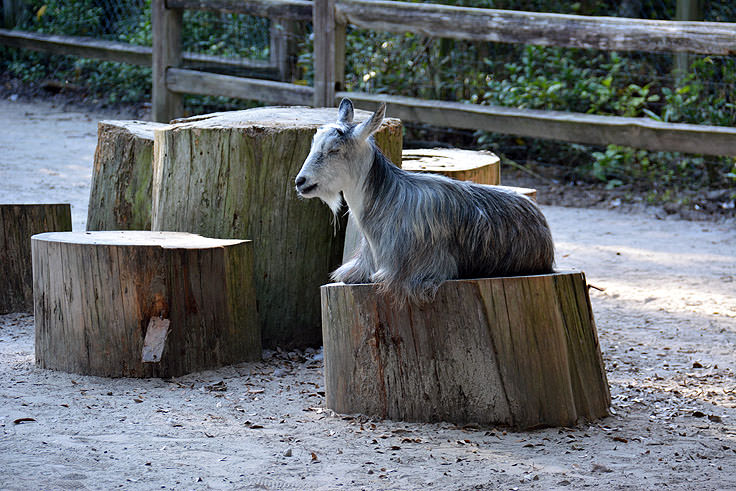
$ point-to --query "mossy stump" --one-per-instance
(517, 351)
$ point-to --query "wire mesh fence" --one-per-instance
(673, 88)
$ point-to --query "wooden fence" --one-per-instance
(330, 17)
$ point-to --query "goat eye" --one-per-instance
(333, 151)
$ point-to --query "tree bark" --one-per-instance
(231, 175)
(143, 304)
(17, 224)
(120, 196)
(463, 165)
(518, 351)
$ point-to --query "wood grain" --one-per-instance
(122, 176)
(18, 222)
(97, 292)
(518, 351)
(538, 28)
(463, 165)
(231, 175)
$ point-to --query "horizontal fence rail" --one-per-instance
(275, 9)
(205, 83)
(542, 29)
(86, 47)
(557, 125)
(174, 75)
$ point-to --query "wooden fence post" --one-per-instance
(11, 13)
(325, 75)
(166, 25)
(686, 10)
(283, 48)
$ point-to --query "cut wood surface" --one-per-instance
(17, 224)
(142, 304)
(122, 176)
(231, 175)
(464, 165)
(529, 192)
(518, 351)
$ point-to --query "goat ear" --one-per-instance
(345, 112)
(367, 128)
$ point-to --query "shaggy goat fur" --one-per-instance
(419, 229)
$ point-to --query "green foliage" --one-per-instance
(126, 21)
(574, 80)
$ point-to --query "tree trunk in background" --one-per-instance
(518, 351)
(17, 224)
(143, 304)
(120, 196)
(231, 175)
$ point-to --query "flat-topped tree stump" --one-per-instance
(17, 224)
(231, 175)
(464, 165)
(143, 304)
(481, 167)
(122, 176)
(518, 351)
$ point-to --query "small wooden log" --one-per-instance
(122, 176)
(464, 165)
(231, 175)
(518, 351)
(17, 224)
(143, 304)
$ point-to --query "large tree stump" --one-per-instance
(122, 176)
(17, 224)
(231, 175)
(518, 351)
(143, 304)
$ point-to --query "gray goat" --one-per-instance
(419, 229)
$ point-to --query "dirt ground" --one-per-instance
(664, 298)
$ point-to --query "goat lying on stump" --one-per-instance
(419, 229)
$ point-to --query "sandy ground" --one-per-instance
(665, 306)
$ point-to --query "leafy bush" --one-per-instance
(594, 82)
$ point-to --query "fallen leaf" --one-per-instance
(601, 468)
(217, 387)
(314, 457)
(23, 420)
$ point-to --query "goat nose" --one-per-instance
(300, 180)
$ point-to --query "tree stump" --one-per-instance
(231, 175)
(122, 176)
(463, 165)
(17, 224)
(518, 351)
(143, 304)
